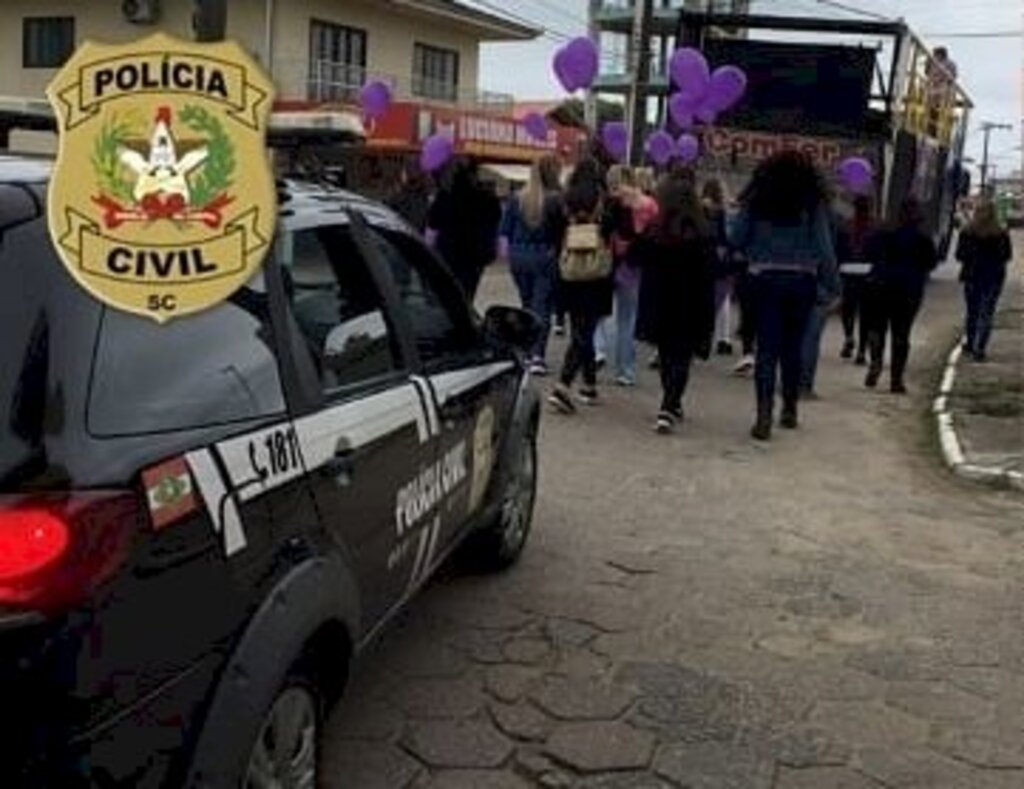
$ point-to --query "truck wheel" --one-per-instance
(499, 545)
(284, 755)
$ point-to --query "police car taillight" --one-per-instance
(54, 550)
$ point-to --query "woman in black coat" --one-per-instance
(905, 258)
(984, 250)
(677, 254)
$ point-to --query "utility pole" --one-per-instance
(594, 33)
(986, 129)
(210, 20)
(639, 90)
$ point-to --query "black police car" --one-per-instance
(201, 523)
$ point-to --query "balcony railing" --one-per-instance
(334, 81)
(331, 81)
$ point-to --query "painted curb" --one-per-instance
(952, 448)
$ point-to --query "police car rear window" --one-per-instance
(24, 337)
(212, 368)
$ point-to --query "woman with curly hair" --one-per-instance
(784, 231)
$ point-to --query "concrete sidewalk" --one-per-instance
(985, 402)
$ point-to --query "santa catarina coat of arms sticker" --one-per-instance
(162, 201)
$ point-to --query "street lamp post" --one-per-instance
(986, 129)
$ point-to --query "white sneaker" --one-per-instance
(624, 380)
(744, 365)
(538, 368)
(664, 424)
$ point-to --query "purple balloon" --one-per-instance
(536, 126)
(437, 150)
(375, 99)
(615, 138)
(580, 63)
(661, 147)
(681, 108)
(857, 174)
(690, 72)
(727, 86)
(560, 65)
(688, 148)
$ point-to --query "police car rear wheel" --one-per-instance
(285, 753)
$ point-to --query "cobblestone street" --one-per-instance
(830, 610)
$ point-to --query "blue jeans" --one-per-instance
(627, 302)
(812, 347)
(535, 274)
(981, 292)
(783, 304)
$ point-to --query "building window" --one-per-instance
(337, 61)
(435, 73)
(47, 41)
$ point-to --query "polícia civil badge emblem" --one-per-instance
(162, 201)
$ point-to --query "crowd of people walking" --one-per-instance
(670, 262)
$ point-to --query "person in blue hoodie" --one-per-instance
(529, 239)
(783, 229)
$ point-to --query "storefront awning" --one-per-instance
(516, 173)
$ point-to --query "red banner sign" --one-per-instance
(480, 134)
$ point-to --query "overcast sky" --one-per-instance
(990, 68)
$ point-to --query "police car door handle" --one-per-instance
(341, 465)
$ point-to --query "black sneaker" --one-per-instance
(588, 396)
(561, 400)
(861, 359)
(788, 418)
(871, 379)
(848, 348)
(898, 387)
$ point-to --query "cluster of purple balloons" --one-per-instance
(661, 146)
(375, 100)
(702, 94)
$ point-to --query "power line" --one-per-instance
(568, 16)
(978, 34)
(548, 32)
(854, 10)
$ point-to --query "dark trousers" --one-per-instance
(535, 274)
(674, 365)
(854, 324)
(981, 292)
(783, 302)
(579, 356)
(558, 301)
(892, 310)
(468, 277)
(748, 312)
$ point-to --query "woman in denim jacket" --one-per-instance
(784, 232)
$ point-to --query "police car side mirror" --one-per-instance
(511, 326)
